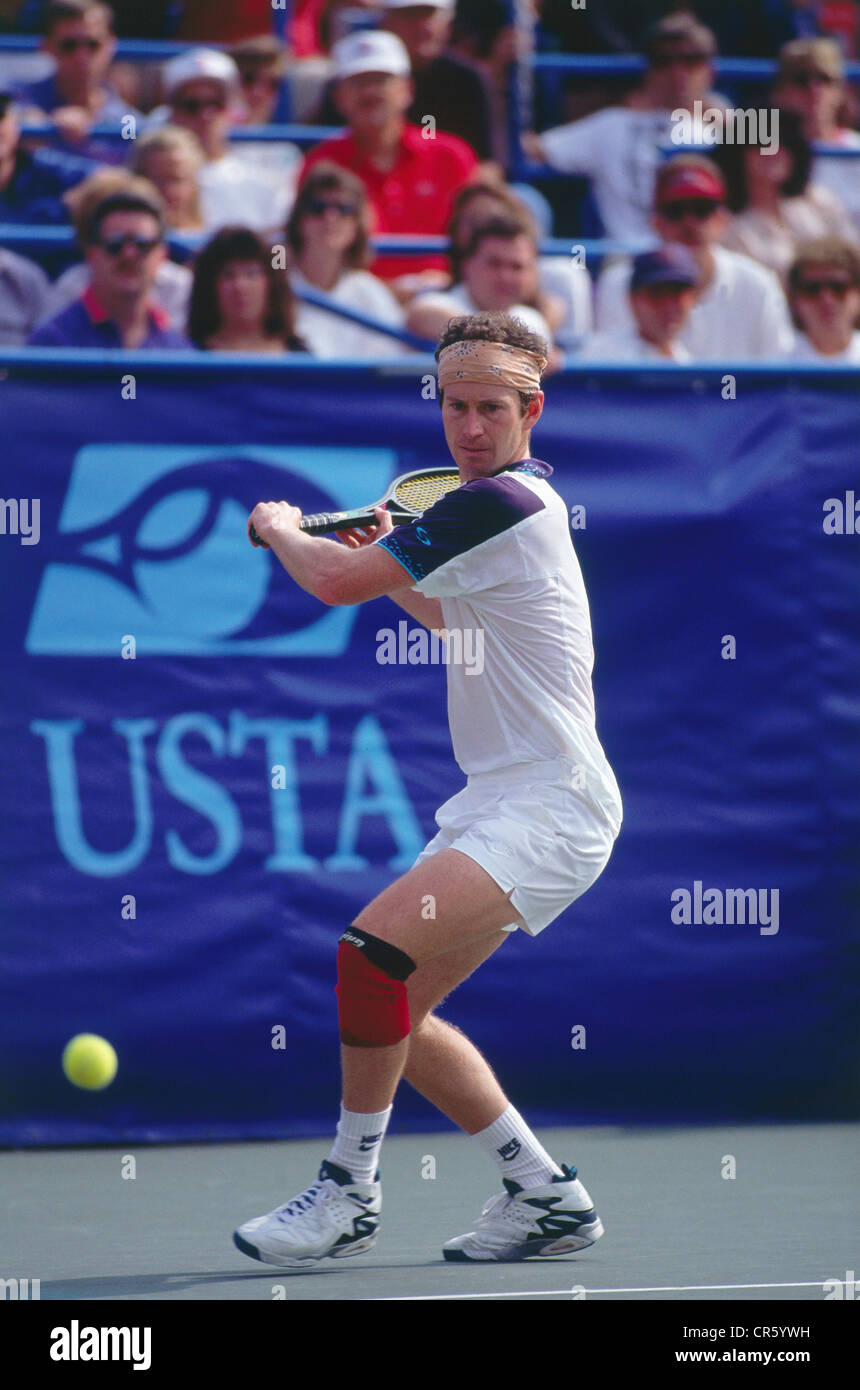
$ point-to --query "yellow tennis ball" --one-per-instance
(89, 1062)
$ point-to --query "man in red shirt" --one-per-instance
(411, 172)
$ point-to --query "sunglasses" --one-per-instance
(317, 206)
(142, 244)
(193, 107)
(808, 79)
(815, 288)
(72, 45)
(687, 60)
(700, 208)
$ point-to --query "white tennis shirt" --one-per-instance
(497, 552)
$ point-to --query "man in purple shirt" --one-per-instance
(124, 246)
(78, 35)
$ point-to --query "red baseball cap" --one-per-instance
(690, 181)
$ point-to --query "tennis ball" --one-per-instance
(89, 1062)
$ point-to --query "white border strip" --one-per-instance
(553, 1293)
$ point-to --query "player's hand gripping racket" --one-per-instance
(408, 496)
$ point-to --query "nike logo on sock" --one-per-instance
(509, 1150)
(368, 1141)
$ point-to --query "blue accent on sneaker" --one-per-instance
(567, 1174)
(338, 1175)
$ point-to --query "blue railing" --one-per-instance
(13, 235)
(229, 363)
(582, 64)
(632, 64)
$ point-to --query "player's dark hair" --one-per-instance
(493, 328)
(240, 244)
(731, 159)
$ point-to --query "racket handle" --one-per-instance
(326, 522)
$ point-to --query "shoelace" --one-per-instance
(306, 1201)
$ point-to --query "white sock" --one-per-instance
(358, 1141)
(517, 1152)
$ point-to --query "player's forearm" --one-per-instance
(316, 564)
(426, 610)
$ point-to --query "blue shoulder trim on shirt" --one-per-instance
(409, 561)
(465, 518)
(536, 467)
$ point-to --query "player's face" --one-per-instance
(485, 428)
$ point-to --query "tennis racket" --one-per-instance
(408, 496)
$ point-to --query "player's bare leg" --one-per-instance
(544, 1209)
(443, 1064)
(468, 907)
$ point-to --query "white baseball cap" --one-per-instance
(198, 65)
(370, 50)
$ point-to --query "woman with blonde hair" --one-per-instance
(171, 158)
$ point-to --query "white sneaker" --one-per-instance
(552, 1220)
(335, 1217)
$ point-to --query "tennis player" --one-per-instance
(531, 830)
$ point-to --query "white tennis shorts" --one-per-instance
(535, 830)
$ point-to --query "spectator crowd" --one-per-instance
(192, 238)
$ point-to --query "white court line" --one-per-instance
(660, 1288)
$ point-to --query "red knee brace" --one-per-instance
(373, 1006)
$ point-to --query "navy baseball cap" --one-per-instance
(671, 265)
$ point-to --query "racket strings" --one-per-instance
(417, 494)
